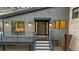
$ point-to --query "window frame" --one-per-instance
(14, 32)
(46, 21)
(73, 12)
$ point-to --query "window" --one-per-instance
(53, 24)
(59, 24)
(62, 24)
(75, 13)
(18, 27)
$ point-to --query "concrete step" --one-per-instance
(42, 48)
(41, 41)
(58, 48)
(42, 45)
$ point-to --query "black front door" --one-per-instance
(41, 27)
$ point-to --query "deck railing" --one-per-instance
(16, 39)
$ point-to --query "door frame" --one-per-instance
(45, 26)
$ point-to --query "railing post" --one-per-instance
(29, 47)
(51, 39)
(34, 38)
(1, 37)
(3, 47)
(17, 36)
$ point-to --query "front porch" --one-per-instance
(43, 31)
(10, 43)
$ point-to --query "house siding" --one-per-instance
(74, 30)
(58, 13)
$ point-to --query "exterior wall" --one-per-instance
(57, 13)
(74, 30)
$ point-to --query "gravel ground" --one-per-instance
(15, 48)
(58, 49)
(23, 48)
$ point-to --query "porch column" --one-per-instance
(3, 47)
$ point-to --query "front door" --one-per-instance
(42, 27)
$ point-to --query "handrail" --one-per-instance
(1, 37)
(50, 40)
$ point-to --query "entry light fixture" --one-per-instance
(50, 24)
(0, 22)
(6, 23)
(30, 24)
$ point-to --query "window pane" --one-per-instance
(53, 24)
(75, 15)
(41, 28)
(18, 27)
(57, 24)
(46, 27)
(62, 24)
(36, 27)
(75, 12)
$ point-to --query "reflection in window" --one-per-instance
(36, 27)
(47, 27)
(41, 28)
(57, 24)
(53, 24)
(18, 27)
(62, 24)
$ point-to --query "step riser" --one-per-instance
(41, 42)
(42, 48)
(42, 45)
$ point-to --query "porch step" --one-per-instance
(42, 45)
(42, 42)
(42, 50)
